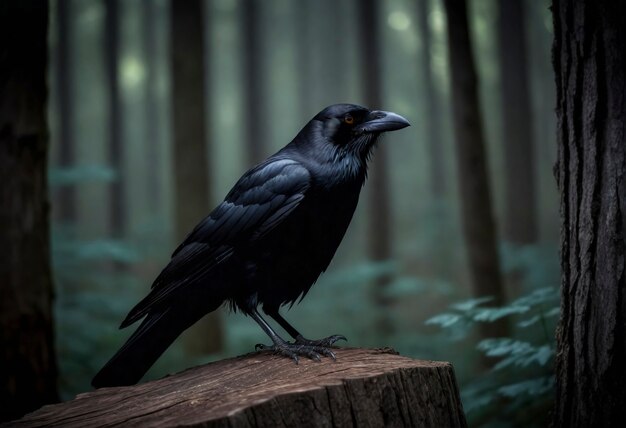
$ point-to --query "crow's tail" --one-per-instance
(155, 334)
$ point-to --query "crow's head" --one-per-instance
(348, 131)
(345, 123)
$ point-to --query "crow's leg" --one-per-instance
(300, 340)
(291, 350)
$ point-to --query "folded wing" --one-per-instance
(261, 200)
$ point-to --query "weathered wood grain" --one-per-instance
(364, 388)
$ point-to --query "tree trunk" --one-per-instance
(65, 211)
(379, 243)
(363, 388)
(255, 104)
(520, 226)
(477, 216)
(589, 61)
(323, 73)
(191, 179)
(432, 118)
(28, 371)
(149, 41)
(304, 64)
(544, 100)
(432, 137)
(331, 65)
(117, 214)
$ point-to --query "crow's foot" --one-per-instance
(294, 350)
(326, 342)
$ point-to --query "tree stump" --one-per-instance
(364, 388)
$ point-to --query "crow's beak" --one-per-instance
(383, 121)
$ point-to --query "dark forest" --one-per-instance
(489, 234)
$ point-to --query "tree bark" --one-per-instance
(432, 119)
(191, 179)
(379, 243)
(28, 370)
(520, 225)
(477, 215)
(363, 388)
(589, 54)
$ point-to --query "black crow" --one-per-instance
(265, 245)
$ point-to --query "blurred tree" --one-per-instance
(117, 214)
(520, 221)
(321, 54)
(65, 211)
(254, 80)
(191, 179)
(379, 243)
(543, 98)
(304, 63)
(149, 41)
(477, 215)
(589, 55)
(330, 43)
(432, 119)
(28, 369)
(438, 255)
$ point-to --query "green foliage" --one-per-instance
(91, 290)
(85, 279)
(535, 387)
(517, 389)
(471, 310)
(515, 352)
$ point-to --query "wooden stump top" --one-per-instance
(364, 387)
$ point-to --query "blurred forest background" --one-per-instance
(156, 107)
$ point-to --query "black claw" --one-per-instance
(326, 342)
(328, 353)
(310, 353)
(287, 353)
(314, 356)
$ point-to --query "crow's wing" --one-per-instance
(260, 201)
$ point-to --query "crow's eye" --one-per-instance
(348, 119)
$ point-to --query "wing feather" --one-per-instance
(260, 201)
